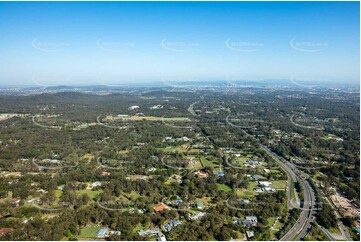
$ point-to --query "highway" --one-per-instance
(300, 229)
(303, 223)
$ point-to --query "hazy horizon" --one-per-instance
(107, 43)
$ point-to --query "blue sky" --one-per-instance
(118, 42)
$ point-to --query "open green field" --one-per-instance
(89, 231)
(210, 163)
(223, 187)
(90, 193)
(173, 149)
(247, 193)
(282, 184)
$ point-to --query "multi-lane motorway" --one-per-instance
(308, 207)
(303, 224)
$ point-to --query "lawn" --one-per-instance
(57, 195)
(209, 163)
(247, 193)
(282, 184)
(271, 220)
(89, 231)
(223, 187)
(334, 231)
(173, 149)
(90, 193)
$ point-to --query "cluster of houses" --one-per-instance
(51, 161)
(95, 184)
(157, 107)
(171, 224)
(133, 107)
(197, 215)
(105, 232)
(160, 207)
(201, 174)
(264, 186)
(150, 232)
(178, 201)
(153, 232)
(171, 139)
(248, 221)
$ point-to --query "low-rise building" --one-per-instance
(160, 207)
(199, 205)
(250, 234)
(264, 183)
(198, 215)
(102, 233)
(149, 232)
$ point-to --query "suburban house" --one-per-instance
(198, 215)
(162, 238)
(252, 162)
(171, 224)
(149, 232)
(102, 232)
(201, 174)
(199, 205)
(249, 221)
(264, 183)
(250, 234)
(160, 207)
(133, 107)
(6, 230)
(95, 184)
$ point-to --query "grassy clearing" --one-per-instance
(90, 193)
(209, 163)
(89, 231)
(223, 187)
(171, 149)
(279, 184)
(247, 193)
(271, 220)
(334, 231)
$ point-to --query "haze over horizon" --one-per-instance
(95, 43)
